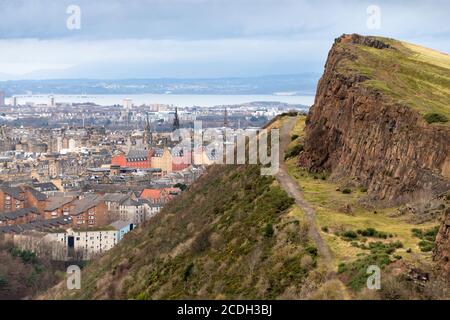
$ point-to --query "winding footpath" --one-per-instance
(290, 185)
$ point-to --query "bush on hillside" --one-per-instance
(435, 118)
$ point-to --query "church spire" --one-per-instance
(176, 120)
(148, 138)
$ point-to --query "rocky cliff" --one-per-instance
(441, 253)
(368, 123)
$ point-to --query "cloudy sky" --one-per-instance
(198, 38)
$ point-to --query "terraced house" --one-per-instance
(21, 216)
(12, 198)
(89, 212)
(58, 206)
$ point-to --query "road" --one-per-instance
(291, 186)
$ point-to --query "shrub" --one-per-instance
(325, 229)
(311, 250)
(346, 191)
(426, 246)
(435, 118)
(188, 271)
(3, 282)
(349, 234)
(384, 248)
(268, 231)
(427, 238)
(294, 151)
(356, 271)
(294, 137)
(371, 232)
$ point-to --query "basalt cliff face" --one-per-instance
(367, 127)
(442, 250)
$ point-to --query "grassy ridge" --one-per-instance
(233, 234)
(408, 74)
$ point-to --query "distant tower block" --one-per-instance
(15, 102)
(127, 104)
(176, 120)
(2, 99)
(225, 118)
(52, 101)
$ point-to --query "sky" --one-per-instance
(125, 39)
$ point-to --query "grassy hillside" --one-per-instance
(360, 236)
(411, 75)
(233, 234)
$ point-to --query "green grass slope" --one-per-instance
(408, 74)
(232, 235)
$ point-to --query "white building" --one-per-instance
(127, 104)
(132, 210)
(75, 244)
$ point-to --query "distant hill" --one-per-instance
(300, 84)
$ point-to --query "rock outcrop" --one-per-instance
(357, 133)
(441, 252)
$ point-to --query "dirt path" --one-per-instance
(291, 186)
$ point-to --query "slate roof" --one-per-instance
(120, 224)
(115, 197)
(37, 225)
(131, 203)
(14, 192)
(137, 155)
(46, 186)
(57, 202)
(81, 205)
(37, 194)
(13, 215)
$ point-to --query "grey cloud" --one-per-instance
(212, 19)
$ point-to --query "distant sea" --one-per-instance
(181, 100)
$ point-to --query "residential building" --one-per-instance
(132, 210)
(89, 212)
(17, 217)
(58, 206)
(12, 198)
